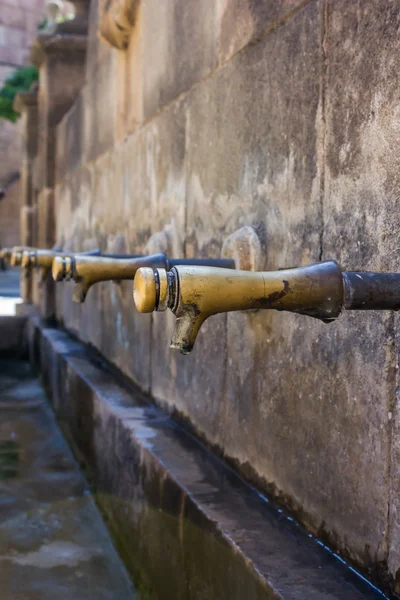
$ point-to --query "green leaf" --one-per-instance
(20, 80)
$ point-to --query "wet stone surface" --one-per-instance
(53, 542)
(187, 526)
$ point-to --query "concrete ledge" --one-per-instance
(186, 525)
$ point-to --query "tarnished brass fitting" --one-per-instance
(195, 293)
(321, 291)
(88, 270)
(5, 255)
(15, 256)
(37, 258)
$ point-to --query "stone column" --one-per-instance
(60, 58)
(26, 103)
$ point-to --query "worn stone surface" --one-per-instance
(180, 47)
(361, 232)
(99, 106)
(393, 527)
(241, 22)
(61, 73)
(247, 183)
(10, 216)
(187, 525)
(305, 401)
(108, 319)
(277, 116)
(18, 23)
(96, 49)
(53, 542)
(26, 104)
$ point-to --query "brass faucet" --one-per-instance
(88, 270)
(321, 291)
(13, 255)
(5, 254)
(38, 258)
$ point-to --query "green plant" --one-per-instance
(19, 81)
(43, 24)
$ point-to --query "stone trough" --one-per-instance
(185, 524)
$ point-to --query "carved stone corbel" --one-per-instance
(117, 19)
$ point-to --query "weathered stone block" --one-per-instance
(10, 150)
(255, 177)
(61, 74)
(98, 111)
(129, 84)
(179, 48)
(393, 526)
(96, 50)
(12, 16)
(361, 187)
(241, 22)
(46, 218)
(9, 216)
(70, 140)
(12, 37)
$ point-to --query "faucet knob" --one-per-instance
(16, 258)
(61, 268)
(151, 290)
(26, 259)
(58, 268)
(5, 254)
(145, 290)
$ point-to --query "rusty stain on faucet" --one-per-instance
(269, 300)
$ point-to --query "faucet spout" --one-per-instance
(187, 327)
(85, 271)
(5, 255)
(88, 270)
(195, 293)
(16, 255)
(38, 258)
(321, 291)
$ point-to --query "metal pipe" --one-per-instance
(223, 263)
(371, 291)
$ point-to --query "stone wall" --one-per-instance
(18, 28)
(283, 116)
(10, 216)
